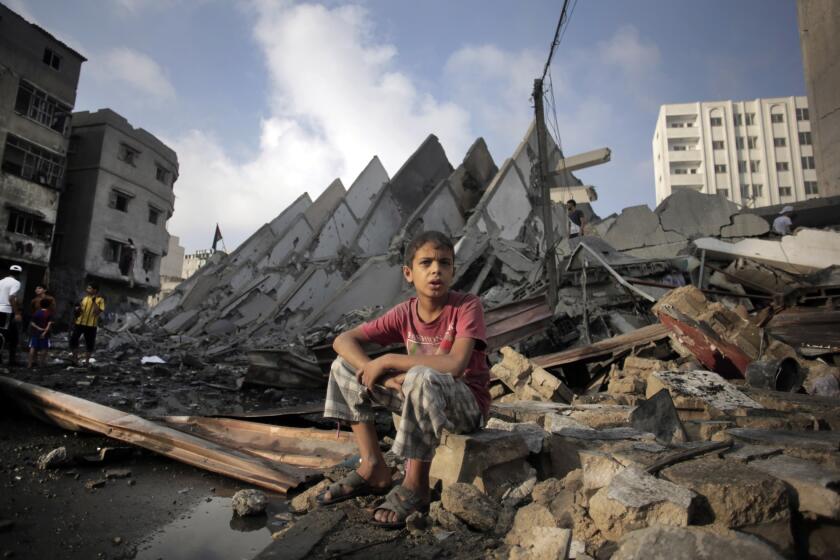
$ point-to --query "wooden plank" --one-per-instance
(639, 337)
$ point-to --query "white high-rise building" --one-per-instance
(755, 153)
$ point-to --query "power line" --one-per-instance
(556, 40)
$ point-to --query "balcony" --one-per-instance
(687, 132)
(684, 156)
(693, 181)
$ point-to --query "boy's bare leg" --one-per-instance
(42, 357)
(372, 467)
(31, 358)
(417, 480)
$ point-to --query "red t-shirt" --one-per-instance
(462, 317)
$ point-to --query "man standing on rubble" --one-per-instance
(783, 224)
(577, 220)
(10, 312)
(441, 383)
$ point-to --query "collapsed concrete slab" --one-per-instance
(700, 391)
(695, 214)
(691, 543)
(816, 487)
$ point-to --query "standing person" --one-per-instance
(39, 334)
(440, 384)
(783, 223)
(87, 318)
(10, 313)
(41, 294)
(576, 218)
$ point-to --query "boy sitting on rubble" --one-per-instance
(440, 384)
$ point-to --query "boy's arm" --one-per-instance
(453, 363)
(348, 345)
(32, 324)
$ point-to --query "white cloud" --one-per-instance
(336, 99)
(132, 70)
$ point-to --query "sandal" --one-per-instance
(403, 502)
(358, 487)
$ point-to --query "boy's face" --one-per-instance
(90, 290)
(39, 291)
(431, 271)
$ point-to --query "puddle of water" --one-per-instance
(210, 531)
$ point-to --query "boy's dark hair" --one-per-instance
(572, 202)
(45, 303)
(438, 239)
(44, 286)
(94, 285)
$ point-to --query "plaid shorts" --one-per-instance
(430, 403)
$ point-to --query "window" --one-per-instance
(784, 191)
(119, 200)
(777, 118)
(805, 138)
(782, 166)
(31, 162)
(24, 223)
(749, 118)
(679, 148)
(723, 192)
(752, 142)
(35, 104)
(717, 144)
(716, 121)
(745, 191)
(720, 168)
(693, 171)
(120, 253)
(677, 125)
(802, 114)
(811, 186)
(112, 250)
(742, 166)
(154, 215)
(757, 190)
(808, 162)
(737, 119)
(755, 165)
(51, 58)
(161, 174)
(779, 142)
(680, 171)
(739, 142)
(128, 154)
(149, 259)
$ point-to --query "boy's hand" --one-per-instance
(368, 374)
(394, 382)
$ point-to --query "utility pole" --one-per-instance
(545, 195)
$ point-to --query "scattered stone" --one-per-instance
(528, 517)
(691, 543)
(747, 453)
(471, 506)
(528, 381)
(518, 494)
(599, 468)
(307, 499)
(117, 473)
(249, 502)
(543, 543)
(530, 432)
(91, 484)
(545, 491)
(635, 499)
(54, 459)
(659, 416)
(416, 522)
(117, 540)
(816, 487)
(445, 519)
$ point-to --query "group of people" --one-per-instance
(41, 318)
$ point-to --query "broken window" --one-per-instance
(752, 142)
(784, 191)
(777, 118)
(24, 223)
(161, 174)
(154, 215)
(811, 187)
(802, 114)
(782, 166)
(720, 168)
(149, 260)
(31, 162)
(779, 142)
(37, 105)
(749, 118)
(716, 121)
(808, 162)
(755, 165)
(805, 138)
(717, 144)
(119, 200)
(120, 253)
(51, 58)
(128, 154)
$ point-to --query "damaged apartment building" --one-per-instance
(111, 227)
(38, 79)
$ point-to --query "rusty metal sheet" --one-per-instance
(75, 413)
(513, 322)
(610, 346)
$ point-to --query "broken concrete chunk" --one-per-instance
(817, 441)
(249, 502)
(736, 495)
(695, 214)
(528, 517)
(691, 543)
(530, 432)
(472, 507)
(747, 453)
(543, 543)
(635, 499)
(54, 459)
(445, 519)
(745, 225)
(599, 469)
(700, 390)
(306, 500)
(528, 381)
(816, 487)
(659, 416)
(117, 473)
(466, 457)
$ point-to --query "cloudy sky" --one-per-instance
(266, 99)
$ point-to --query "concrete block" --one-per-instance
(543, 543)
(634, 500)
(659, 416)
(816, 487)
(691, 543)
(700, 390)
(465, 457)
(532, 433)
(466, 502)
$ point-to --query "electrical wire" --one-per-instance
(556, 40)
